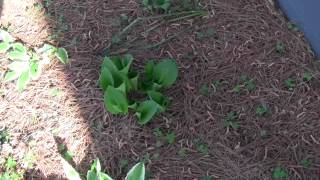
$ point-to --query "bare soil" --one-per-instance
(247, 32)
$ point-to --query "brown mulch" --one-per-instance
(247, 34)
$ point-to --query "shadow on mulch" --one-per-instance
(241, 52)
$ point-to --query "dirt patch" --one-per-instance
(236, 68)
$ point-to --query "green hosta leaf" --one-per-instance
(35, 70)
(149, 69)
(146, 110)
(4, 46)
(95, 172)
(134, 77)
(126, 63)
(160, 99)
(5, 36)
(19, 66)
(109, 64)
(104, 176)
(48, 49)
(18, 55)
(23, 80)
(70, 172)
(106, 78)
(115, 100)
(62, 55)
(166, 73)
(19, 47)
(137, 172)
(11, 75)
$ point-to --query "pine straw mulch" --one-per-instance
(247, 33)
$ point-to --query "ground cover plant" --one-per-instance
(137, 172)
(25, 63)
(118, 79)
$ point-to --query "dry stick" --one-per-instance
(187, 14)
(183, 15)
(166, 40)
(196, 14)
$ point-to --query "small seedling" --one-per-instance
(289, 83)
(261, 110)
(280, 47)
(157, 4)
(306, 163)
(237, 89)
(202, 148)
(158, 132)
(11, 163)
(231, 120)
(206, 178)
(292, 26)
(279, 173)
(171, 137)
(307, 76)
(204, 90)
(250, 85)
(182, 152)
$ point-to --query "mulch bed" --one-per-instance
(244, 44)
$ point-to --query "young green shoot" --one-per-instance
(231, 121)
(261, 110)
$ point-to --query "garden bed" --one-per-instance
(244, 105)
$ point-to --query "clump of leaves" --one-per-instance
(246, 83)
(280, 47)
(169, 137)
(26, 64)
(306, 162)
(201, 147)
(117, 80)
(10, 171)
(289, 83)
(137, 172)
(232, 120)
(261, 110)
(307, 76)
(292, 26)
(279, 173)
(157, 4)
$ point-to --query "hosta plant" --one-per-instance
(25, 63)
(118, 80)
(137, 172)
